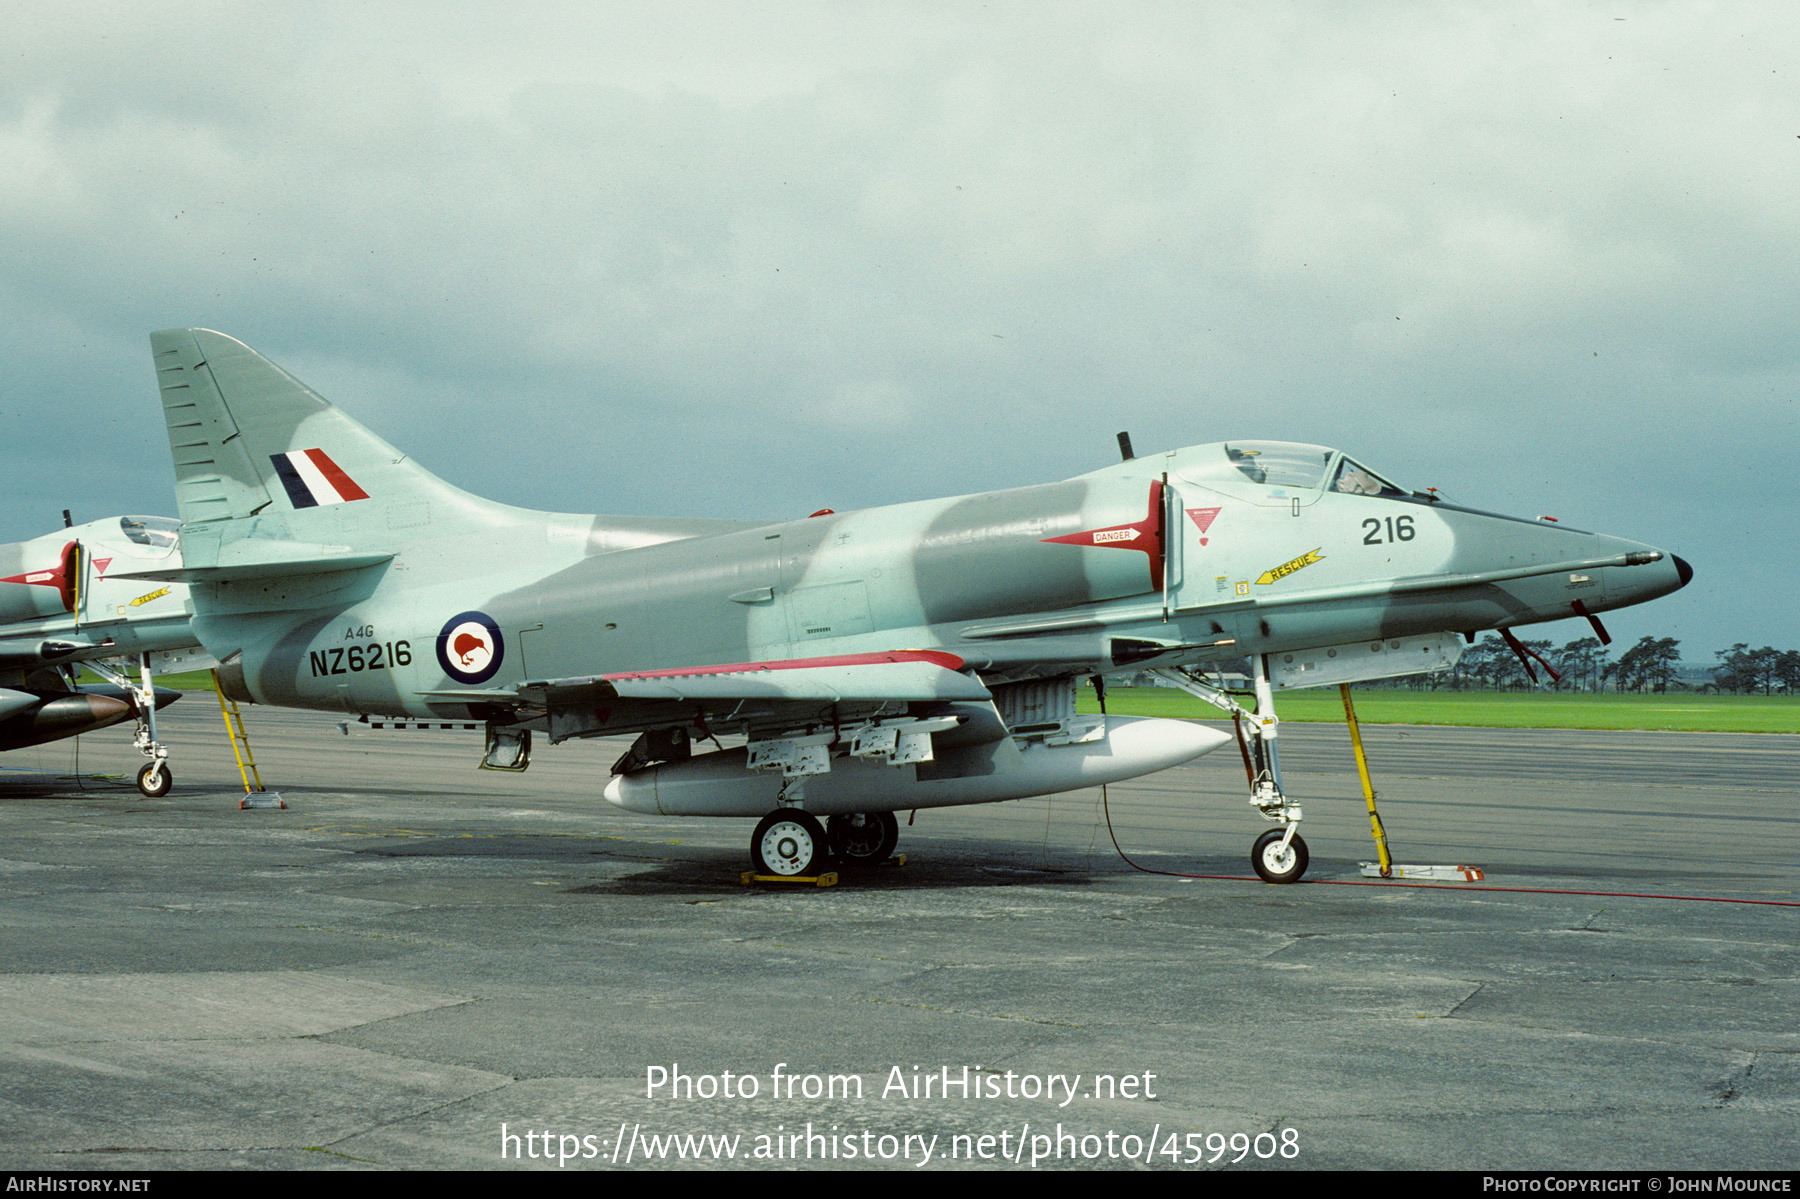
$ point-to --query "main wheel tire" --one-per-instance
(788, 842)
(867, 844)
(155, 779)
(1275, 864)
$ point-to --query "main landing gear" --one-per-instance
(790, 842)
(865, 838)
(1279, 855)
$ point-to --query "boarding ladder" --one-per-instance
(240, 749)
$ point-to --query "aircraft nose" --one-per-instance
(1683, 569)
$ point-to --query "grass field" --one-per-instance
(186, 680)
(1486, 709)
(1515, 710)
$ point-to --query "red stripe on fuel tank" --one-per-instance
(935, 657)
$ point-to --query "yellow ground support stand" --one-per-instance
(1386, 868)
(1362, 768)
(259, 796)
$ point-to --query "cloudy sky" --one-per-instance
(752, 259)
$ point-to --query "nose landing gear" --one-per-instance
(154, 779)
(1278, 855)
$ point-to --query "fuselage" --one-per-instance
(1202, 554)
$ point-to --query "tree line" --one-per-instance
(1653, 664)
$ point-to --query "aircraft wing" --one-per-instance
(896, 675)
(801, 688)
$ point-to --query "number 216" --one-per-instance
(1399, 528)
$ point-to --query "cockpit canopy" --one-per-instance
(1286, 464)
(157, 532)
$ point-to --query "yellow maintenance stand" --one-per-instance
(260, 796)
(1385, 868)
(1362, 768)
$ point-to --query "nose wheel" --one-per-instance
(155, 779)
(1277, 858)
(788, 842)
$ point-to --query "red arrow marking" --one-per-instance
(1146, 536)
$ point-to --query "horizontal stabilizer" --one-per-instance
(255, 558)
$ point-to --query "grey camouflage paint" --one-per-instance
(581, 597)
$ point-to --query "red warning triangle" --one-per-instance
(1203, 517)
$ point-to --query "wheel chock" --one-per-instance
(828, 879)
(1442, 874)
(262, 799)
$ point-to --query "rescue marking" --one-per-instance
(141, 600)
(1288, 568)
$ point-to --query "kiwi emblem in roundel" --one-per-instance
(470, 648)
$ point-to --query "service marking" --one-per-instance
(355, 659)
(1203, 519)
(1288, 568)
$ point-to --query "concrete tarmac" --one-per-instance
(418, 964)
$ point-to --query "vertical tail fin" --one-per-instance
(250, 441)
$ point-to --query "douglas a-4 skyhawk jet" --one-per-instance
(858, 663)
(68, 599)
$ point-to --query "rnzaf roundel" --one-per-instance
(470, 648)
